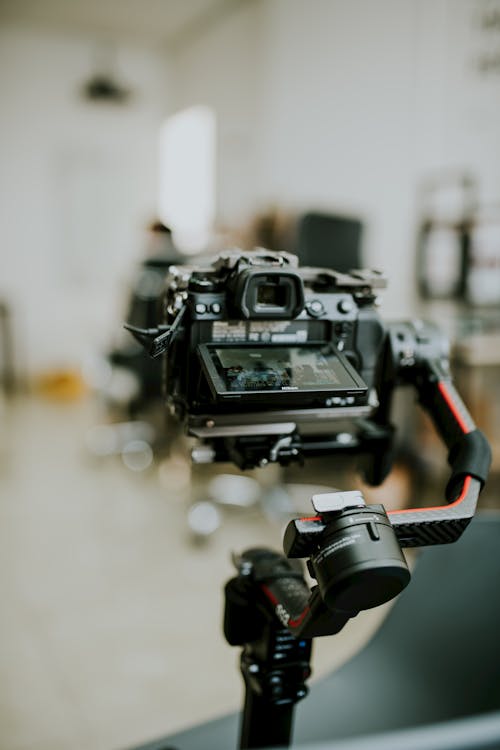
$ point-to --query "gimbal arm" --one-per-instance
(418, 363)
(354, 550)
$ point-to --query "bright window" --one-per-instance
(187, 176)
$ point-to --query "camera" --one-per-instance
(267, 361)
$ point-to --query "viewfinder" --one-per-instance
(272, 295)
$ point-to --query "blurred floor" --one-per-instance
(110, 628)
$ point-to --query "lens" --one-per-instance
(272, 295)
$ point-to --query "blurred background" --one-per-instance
(139, 133)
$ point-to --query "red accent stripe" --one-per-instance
(298, 620)
(463, 494)
(453, 407)
(267, 591)
(293, 623)
(311, 518)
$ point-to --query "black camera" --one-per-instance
(262, 336)
(268, 361)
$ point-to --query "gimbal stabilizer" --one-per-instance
(354, 553)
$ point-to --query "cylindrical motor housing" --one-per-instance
(359, 564)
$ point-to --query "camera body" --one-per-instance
(263, 334)
(266, 359)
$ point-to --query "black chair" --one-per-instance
(435, 659)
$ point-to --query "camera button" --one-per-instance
(315, 308)
(345, 306)
(215, 308)
(200, 308)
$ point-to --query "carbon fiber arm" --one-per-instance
(469, 457)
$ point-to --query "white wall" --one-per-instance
(78, 183)
(221, 68)
(342, 104)
(347, 104)
(339, 110)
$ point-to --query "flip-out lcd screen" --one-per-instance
(265, 370)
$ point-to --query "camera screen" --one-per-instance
(249, 369)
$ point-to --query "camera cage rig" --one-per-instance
(353, 551)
